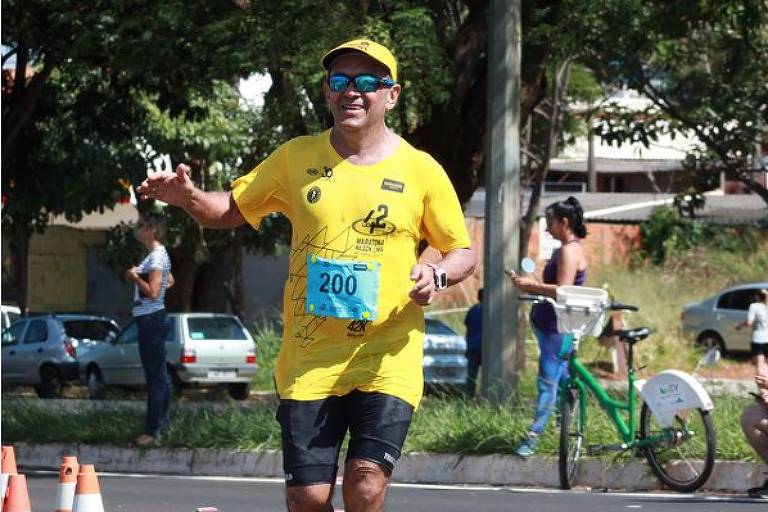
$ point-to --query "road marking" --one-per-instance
(446, 487)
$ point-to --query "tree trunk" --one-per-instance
(540, 174)
(184, 268)
(757, 188)
(24, 103)
(19, 249)
(212, 287)
(455, 133)
(238, 290)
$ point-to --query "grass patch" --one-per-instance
(267, 336)
(662, 291)
(443, 424)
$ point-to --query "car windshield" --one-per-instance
(437, 327)
(215, 328)
(88, 329)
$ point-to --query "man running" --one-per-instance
(360, 199)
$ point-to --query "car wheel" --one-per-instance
(95, 384)
(51, 383)
(176, 383)
(710, 340)
(239, 391)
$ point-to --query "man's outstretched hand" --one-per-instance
(174, 188)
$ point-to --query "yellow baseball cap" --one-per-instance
(374, 50)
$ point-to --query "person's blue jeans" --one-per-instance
(553, 369)
(152, 332)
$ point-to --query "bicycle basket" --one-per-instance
(571, 315)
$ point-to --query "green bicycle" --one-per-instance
(676, 434)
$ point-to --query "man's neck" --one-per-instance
(365, 146)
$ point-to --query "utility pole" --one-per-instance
(502, 201)
(591, 171)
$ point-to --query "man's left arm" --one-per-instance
(458, 264)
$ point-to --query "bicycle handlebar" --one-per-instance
(618, 306)
(615, 306)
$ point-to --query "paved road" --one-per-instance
(153, 493)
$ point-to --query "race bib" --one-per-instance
(342, 289)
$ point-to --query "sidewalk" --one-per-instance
(595, 473)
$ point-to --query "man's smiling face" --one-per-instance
(352, 109)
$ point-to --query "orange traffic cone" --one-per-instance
(8, 467)
(65, 494)
(18, 497)
(87, 494)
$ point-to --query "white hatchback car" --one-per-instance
(203, 349)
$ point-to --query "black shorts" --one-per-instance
(313, 431)
(759, 348)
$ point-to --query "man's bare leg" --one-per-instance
(365, 486)
(309, 498)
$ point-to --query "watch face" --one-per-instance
(441, 278)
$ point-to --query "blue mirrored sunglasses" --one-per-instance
(363, 82)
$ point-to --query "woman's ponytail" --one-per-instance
(577, 217)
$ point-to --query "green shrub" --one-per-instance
(667, 234)
(267, 336)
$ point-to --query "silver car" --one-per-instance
(42, 351)
(709, 323)
(203, 349)
(445, 363)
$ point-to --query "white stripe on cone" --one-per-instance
(88, 503)
(65, 497)
(3, 485)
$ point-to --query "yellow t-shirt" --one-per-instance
(375, 214)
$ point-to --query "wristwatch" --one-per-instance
(441, 277)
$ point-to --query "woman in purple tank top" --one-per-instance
(568, 266)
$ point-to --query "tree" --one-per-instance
(70, 113)
(171, 51)
(703, 66)
(211, 135)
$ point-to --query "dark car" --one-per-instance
(41, 351)
(444, 361)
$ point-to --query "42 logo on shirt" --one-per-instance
(375, 223)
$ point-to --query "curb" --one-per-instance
(503, 470)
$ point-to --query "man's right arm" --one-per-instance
(210, 209)
(214, 209)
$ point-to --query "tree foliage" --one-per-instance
(668, 233)
(71, 112)
(702, 64)
(98, 83)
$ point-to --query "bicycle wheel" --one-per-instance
(685, 461)
(572, 437)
